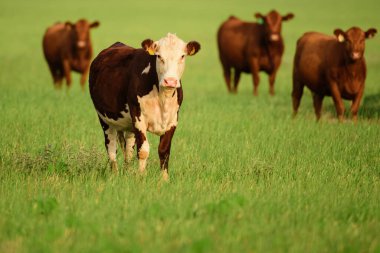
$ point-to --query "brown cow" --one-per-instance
(68, 47)
(251, 47)
(134, 93)
(331, 66)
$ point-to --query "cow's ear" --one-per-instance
(192, 48)
(340, 35)
(260, 17)
(370, 33)
(149, 46)
(95, 24)
(287, 17)
(68, 24)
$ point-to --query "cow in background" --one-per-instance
(251, 47)
(331, 66)
(136, 91)
(67, 47)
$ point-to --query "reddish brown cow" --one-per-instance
(135, 92)
(251, 47)
(331, 66)
(68, 47)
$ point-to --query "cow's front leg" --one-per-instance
(66, 70)
(355, 104)
(255, 74)
(164, 151)
(339, 106)
(84, 76)
(272, 78)
(142, 148)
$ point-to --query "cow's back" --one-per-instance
(114, 80)
(54, 41)
(315, 53)
(234, 36)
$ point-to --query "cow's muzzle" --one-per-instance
(81, 44)
(274, 37)
(356, 55)
(170, 82)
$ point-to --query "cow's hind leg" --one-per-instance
(236, 80)
(56, 73)
(317, 101)
(122, 143)
(227, 76)
(296, 94)
(127, 143)
(130, 145)
(110, 141)
(272, 78)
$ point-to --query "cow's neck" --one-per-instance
(159, 109)
(76, 53)
(350, 70)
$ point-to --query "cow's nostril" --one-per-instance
(171, 82)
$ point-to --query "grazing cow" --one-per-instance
(136, 91)
(68, 47)
(251, 47)
(331, 66)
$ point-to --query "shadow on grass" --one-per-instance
(369, 108)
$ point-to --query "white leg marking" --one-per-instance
(130, 138)
(143, 155)
(165, 175)
(111, 146)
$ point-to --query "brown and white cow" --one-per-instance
(251, 47)
(331, 66)
(136, 91)
(68, 47)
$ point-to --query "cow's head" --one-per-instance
(354, 41)
(272, 23)
(170, 54)
(81, 32)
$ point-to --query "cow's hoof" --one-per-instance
(114, 168)
(165, 175)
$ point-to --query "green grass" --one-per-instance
(245, 177)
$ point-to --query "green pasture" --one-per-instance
(244, 176)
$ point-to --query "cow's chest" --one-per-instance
(350, 82)
(159, 111)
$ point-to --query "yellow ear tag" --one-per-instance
(192, 51)
(340, 38)
(150, 51)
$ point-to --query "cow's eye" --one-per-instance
(183, 57)
(160, 58)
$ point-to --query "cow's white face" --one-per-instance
(170, 62)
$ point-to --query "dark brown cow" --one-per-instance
(68, 47)
(251, 47)
(331, 66)
(134, 93)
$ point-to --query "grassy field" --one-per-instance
(245, 177)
